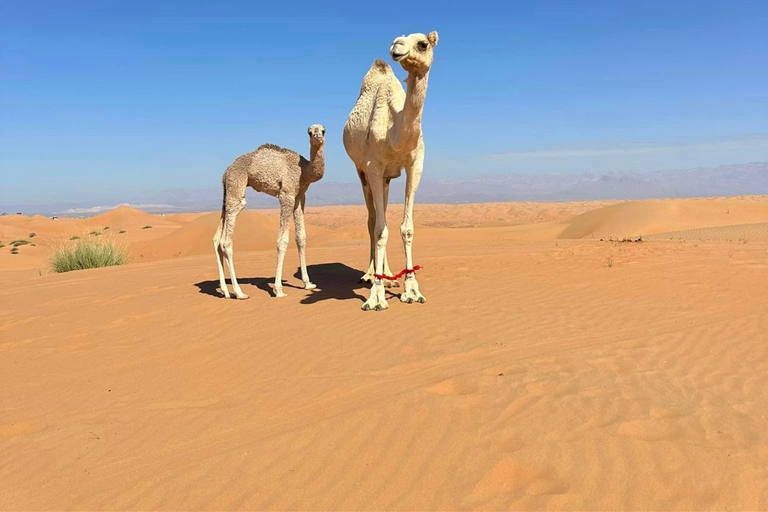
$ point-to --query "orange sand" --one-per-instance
(548, 369)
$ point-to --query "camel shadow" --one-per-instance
(262, 283)
(335, 281)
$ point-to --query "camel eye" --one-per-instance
(323, 131)
(422, 46)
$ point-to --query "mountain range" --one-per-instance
(729, 180)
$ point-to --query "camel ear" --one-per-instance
(432, 38)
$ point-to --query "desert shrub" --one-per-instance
(106, 228)
(32, 235)
(147, 227)
(95, 233)
(14, 251)
(17, 243)
(75, 238)
(87, 253)
(121, 232)
(2, 245)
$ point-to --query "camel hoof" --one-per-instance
(377, 301)
(280, 294)
(241, 296)
(378, 306)
(411, 296)
(310, 286)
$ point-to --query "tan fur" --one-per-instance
(383, 136)
(281, 173)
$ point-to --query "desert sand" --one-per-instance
(556, 364)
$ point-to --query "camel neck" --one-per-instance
(316, 168)
(410, 117)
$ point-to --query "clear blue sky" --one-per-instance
(118, 99)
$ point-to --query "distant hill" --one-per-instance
(716, 181)
(729, 180)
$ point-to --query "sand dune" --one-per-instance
(253, 232)
(745, 233)
(542, 373)
(638, 218)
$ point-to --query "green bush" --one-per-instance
(88, 253)
(14, 251)
(147, 227)
(121, 232)
(17, 243)
(75, 238)
(32, 235)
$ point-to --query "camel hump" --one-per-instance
(374, 76)
(381, 66)
(274, 147)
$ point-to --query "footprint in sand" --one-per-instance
(549, 388)
(10, 430)
(648, 430)
(513, 476)
(455, 386)
(183, 404)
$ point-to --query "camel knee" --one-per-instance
(406, 232)
(225, 248)
(381, 238)
(282, 242)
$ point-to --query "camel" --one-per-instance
(281, 173)
(382, 136)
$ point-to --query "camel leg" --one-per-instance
(287, 203)
(220, 254)
(387, 270)
(377, 300)
(411, 292)
(301, 240)
(232, 209)
(368, 276)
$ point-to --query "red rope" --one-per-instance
(399, 274)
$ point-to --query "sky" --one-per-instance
(113, 101)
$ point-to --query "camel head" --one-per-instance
(414, 52)
(316, 134)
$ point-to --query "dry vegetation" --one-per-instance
(81, 254)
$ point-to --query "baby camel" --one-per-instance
(280, 173)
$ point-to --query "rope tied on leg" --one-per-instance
(399, 274)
